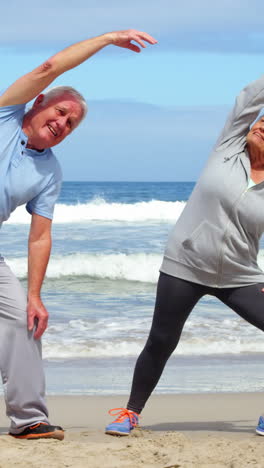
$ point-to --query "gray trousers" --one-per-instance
(20, 357)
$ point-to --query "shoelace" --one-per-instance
(124, 413)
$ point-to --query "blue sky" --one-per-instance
(154, 115)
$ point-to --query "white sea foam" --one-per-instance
(131, 267)
(100, 210)
(122, 336)
(66, 348)
(134, 267)
(69, 350)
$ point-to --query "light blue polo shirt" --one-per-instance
(27, 176)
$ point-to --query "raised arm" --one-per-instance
(30, 85)
(247, 106)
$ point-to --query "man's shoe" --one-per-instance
(40, 431)
(124, 424)
(260, 426)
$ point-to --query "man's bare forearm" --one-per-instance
(39, 247)
(78, 53)
(38, 258)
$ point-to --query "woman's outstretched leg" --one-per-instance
(174, 302)
(248, 303)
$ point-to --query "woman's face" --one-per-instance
(255, 137)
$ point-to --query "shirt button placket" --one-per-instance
(22, 143)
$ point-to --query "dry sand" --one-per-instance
(186, 431)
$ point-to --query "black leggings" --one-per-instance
(174, 303)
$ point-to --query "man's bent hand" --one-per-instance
(124, 38)
(37, 316)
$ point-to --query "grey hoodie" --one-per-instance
(216, 239)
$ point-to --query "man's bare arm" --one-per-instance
(39, 247)
(32, 84)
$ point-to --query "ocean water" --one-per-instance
(108, 241)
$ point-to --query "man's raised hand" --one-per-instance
(124, 38)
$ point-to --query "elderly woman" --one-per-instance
(212, 248)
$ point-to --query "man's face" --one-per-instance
(49, 123)
(255, 137)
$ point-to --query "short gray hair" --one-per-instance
(60, 90)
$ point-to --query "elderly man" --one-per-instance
(31, 175)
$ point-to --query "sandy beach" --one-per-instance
(213, 430)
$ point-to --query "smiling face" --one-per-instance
(47, 124)
(255, 137)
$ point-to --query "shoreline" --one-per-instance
(195, 430)
(182, 375)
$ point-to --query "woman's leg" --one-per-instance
(247, 302)
(175, 300)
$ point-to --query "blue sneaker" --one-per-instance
(260, 426)
(124, 424)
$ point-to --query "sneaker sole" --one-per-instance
(117, 433)
(59, 435)
(261, 433)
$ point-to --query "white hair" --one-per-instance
(60, 90)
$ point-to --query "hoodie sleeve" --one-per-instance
(247, 106)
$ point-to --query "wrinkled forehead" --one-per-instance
(68, 103)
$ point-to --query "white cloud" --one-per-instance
(192, 25)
